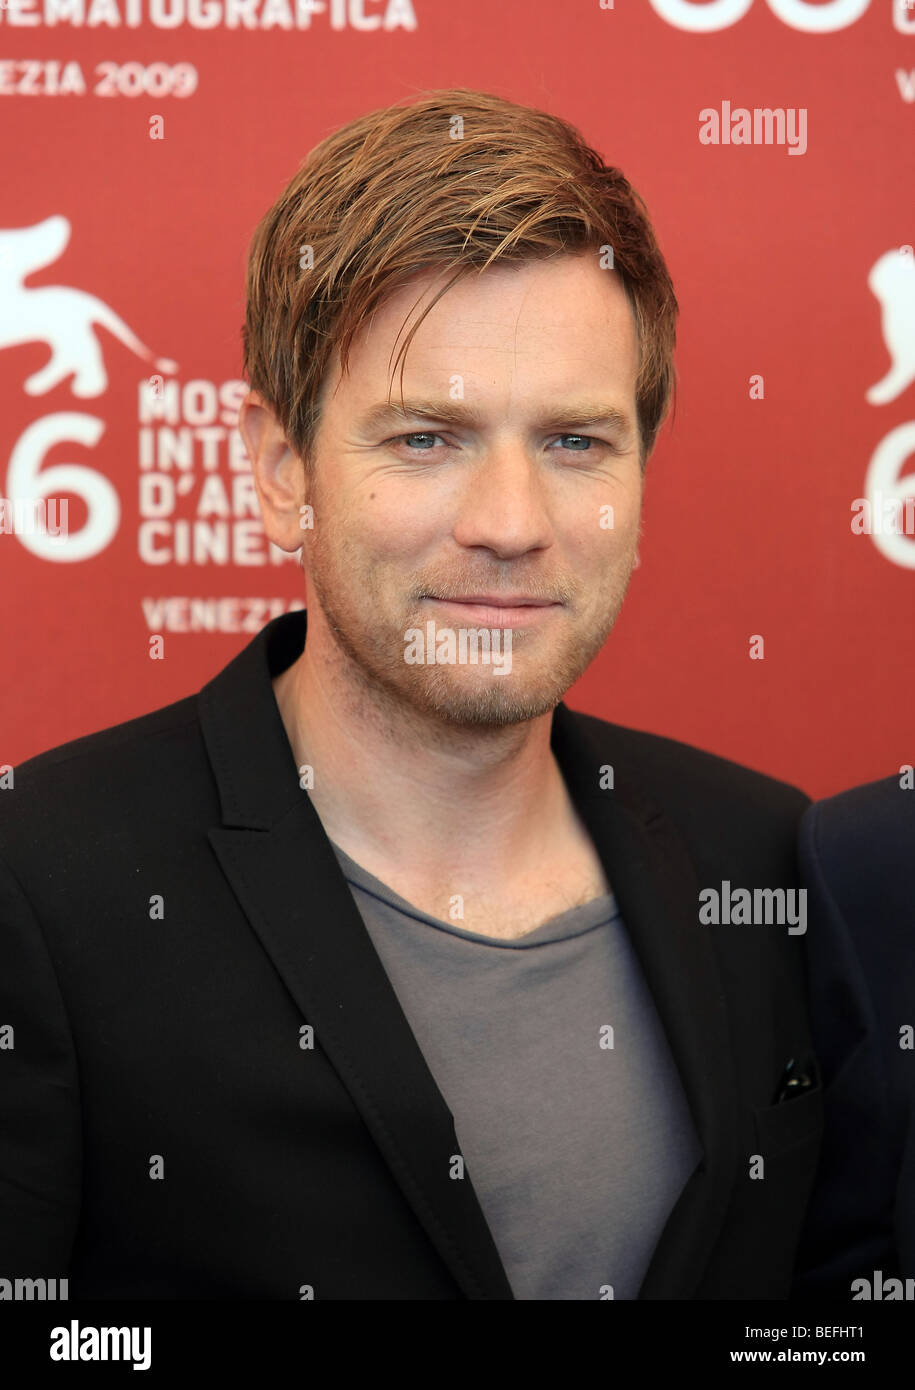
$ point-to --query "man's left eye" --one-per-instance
(583, 439)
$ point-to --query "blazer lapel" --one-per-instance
(279, 862)
(656, 889)
(276, 856)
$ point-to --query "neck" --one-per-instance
(390, 781)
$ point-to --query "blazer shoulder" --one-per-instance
(114, 740)
(856, 852)
(114, 765)
(880, 809)
(668, 764)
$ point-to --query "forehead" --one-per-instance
(564, 317)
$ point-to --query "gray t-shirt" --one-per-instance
(577, 1150)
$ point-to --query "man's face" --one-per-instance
(513, 503)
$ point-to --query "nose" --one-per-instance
(504, 504)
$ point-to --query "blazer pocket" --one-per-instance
(790, 1123)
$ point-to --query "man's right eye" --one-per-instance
(416, 434)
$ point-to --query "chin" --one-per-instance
(491, 705)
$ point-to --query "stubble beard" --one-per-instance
(369, 660)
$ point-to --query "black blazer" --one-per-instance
(172, 914)
(857, 859)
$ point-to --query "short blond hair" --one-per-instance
(391, 194)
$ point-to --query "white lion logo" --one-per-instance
(892, 280)
(62, 317)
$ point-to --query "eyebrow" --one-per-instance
(454, 413)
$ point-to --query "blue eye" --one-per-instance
(417, 434)
(584, 438)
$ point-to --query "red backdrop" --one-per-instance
(142, 142)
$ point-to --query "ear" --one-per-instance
(279, 473)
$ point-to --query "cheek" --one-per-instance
(603, 534)
(399, 532)
(375, 550)
(625, 514)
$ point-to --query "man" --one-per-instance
(856, 859)
(374, 971)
